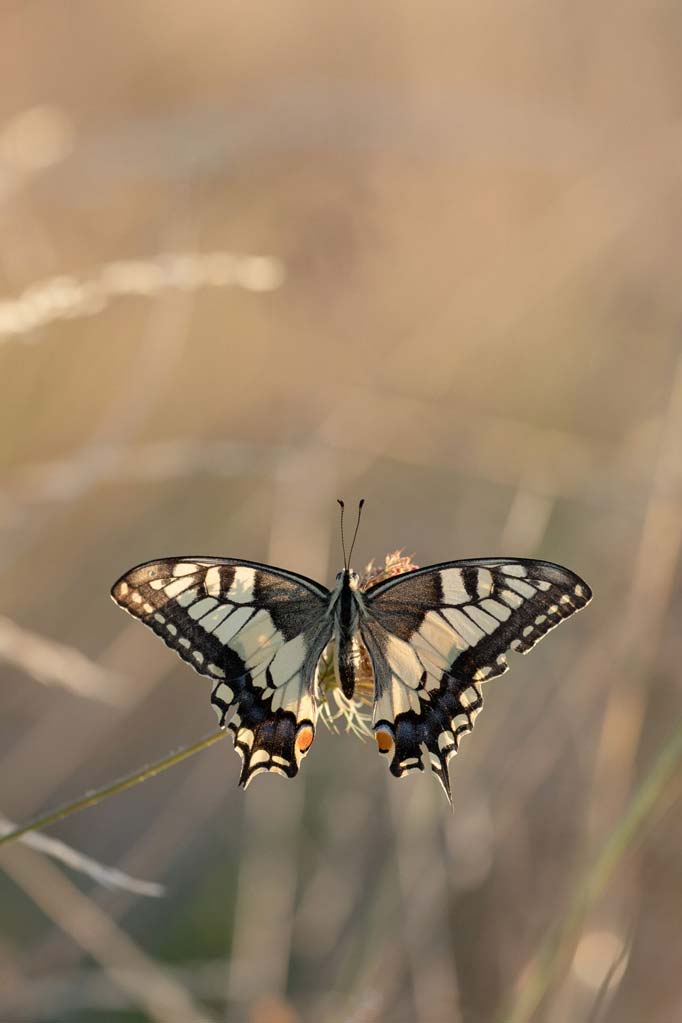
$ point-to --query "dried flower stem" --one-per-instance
(90, 798)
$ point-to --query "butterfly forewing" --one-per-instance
(255, 631)
(435, 635)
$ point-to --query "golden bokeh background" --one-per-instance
(255, 257)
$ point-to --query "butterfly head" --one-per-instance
(348, 578)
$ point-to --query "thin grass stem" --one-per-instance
(556, 947)
(96, 796)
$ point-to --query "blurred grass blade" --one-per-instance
(557, 946)
(110, 877)
(53, 663)
(70, 297)
(90, 798)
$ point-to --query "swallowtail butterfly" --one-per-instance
(432, 636)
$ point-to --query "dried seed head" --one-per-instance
(396, 563)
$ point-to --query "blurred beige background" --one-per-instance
(255, 257)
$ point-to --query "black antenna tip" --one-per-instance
(362, 501)
(339, 501)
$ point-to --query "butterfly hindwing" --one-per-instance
(435, 635)
(255, 631)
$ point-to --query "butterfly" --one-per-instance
(432, 637)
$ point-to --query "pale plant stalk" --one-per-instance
(110, 877)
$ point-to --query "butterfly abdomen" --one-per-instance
(347, 657)
(347, 662)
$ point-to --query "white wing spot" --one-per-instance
(528, 630)
(469, 632)
(123, 589)
(176, 587)
(494, 607)
(212, 581)
(252, 642)
(434, 642)
(157, 584)
(260, 757)
(511, 598)
(185, 642)
(198, 656)
(484, 582)
(231, 625)
(215, 670)
(403, 661)
(184, 568)
(254, 774)
(148, 608)
(241, 590)
(137, 597)
(160, 619)
(171, 628)
(202, 607)
(452, 584)
(516, 570)
(520, 587)
(246, 737)
(469, 696)
(542, 584)
(185, 599)
(540, 619)
(460, 723)
(396, 699)
(445, 739)
(211, 621)
(486, 622)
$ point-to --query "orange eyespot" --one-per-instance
(385, 740)
(304, 739)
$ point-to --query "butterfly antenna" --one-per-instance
(343, 545)
(357, 526)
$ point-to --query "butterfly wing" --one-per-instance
(257, 632)
(435, 635)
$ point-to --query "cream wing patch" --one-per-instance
(288, 661)
(241, 590)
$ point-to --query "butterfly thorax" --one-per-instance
(347, 606)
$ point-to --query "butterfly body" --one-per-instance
(348, 607)
(432, 636)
